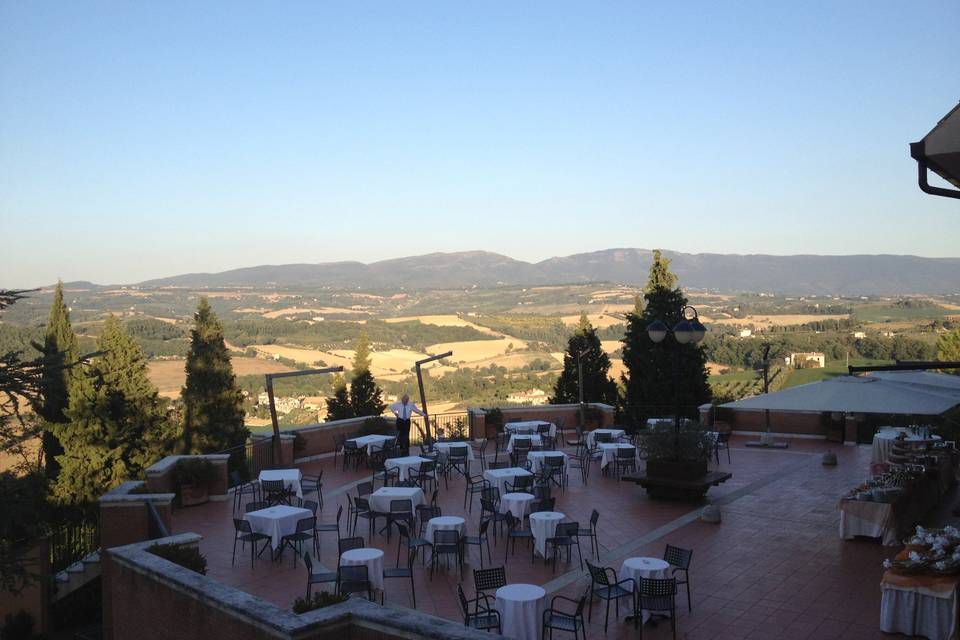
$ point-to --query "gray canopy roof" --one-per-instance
(904, 392)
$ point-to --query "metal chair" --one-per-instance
(484, 616)
(446, 542)
(722, 442)
(560, 620)
(657, 595)
(592, 534)
(475, 484)
(545, 504)
(413, 544)
(362, 510)
(244, 533)
(383, 474)
(565, 536)
(514, 533)
(400, 511)
(310, 483)
(310, 505)
(306, 530)
(520, 483)
(352, 453)
(482, 453)
(457, 461)
(339, 441)
(254, 506)
(323, 527)
(479, 540)
(354, 579)
(679, 559)
(601, 586)
(402, 572)
(489, 579)
(276, 492)
(241, 488)
(317, 577)
(348, 544)
(490, 513)
(626, 459)
(582, 462)
(425, 474)
(424, 514)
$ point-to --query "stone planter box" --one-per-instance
(191, 496)
(676, 470)
(678, 480)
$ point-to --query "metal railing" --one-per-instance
(442, 425)
(249, 458)
(72, 541)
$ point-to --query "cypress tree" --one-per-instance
(212, 403)
(597, 384)
(648, 381)
(56, 377)
(338, 405)
(118, 422)
(948, 348)
(365, 395)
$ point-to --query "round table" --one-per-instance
(445, 523)
(521, 610)
(640, 567)
(517, 503)
(884, 440)
(543, 524)
(372, 558)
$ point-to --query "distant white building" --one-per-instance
(531, 397)
(263, 399)
(745, 333)
(859, 335)
(807, 360)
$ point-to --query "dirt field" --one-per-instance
(169, 375)
(610, 346)
(287, 311)
(446, 321)
(765, 321)
(471, 350)
(515, 360)
(598, 320)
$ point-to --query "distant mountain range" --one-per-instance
(791, 275)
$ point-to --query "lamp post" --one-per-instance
(580, 387)
(689, 330)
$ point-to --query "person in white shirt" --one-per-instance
(403, 410)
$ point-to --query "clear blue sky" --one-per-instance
(143, 139)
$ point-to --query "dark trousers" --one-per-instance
(403, 434)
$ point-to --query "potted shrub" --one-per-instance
(677, 455)
(187, 557)
(194, 476)
(594, 416)
(377, 425)
(493, 418)
(319, 600)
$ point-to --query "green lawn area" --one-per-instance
(895, 313)
(833, 369)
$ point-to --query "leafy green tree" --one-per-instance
(366, 398)
(948, 348)
(597, 384)
(338, 405)
(660, 274)
(118, 422)
(649, 388)
(212, 402)
(59, 348)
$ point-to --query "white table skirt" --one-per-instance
(529, 426)
(591, 436)
(444, 447)
(536, 459)
(291, 478)
(521, 609)
(851, 526)
(608, 452)
(381, 498)
(372, 558)
(640, 567)
(533, 438)
(543, 524)
(371, 442)
(918, 614)
(276, 522)
(884, 440)
(405, 465)
(445, 523)
(498, 477)
(517, 503)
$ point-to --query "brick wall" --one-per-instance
(161, 476)
(786, 422)
(565, 416)
(318, 438)
(34, 599)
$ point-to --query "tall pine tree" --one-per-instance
(338, 405)
(366, 398)
(212, 403)
(597, 384)
(118, 422)
(648, 381)
(57, 377)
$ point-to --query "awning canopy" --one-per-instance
(904, 392)
(939, 151)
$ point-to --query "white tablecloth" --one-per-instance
(884, 440)
(534, 440)
(543, 524)
(405, 464)
(654, 422)
(608, 452)
(536, 459)
(640, 567)
(443, 447)
(371, 442)
(276, 522)
(529, 426)
(372, 558)
(291, 478)
(521, 609)
(445, 523)
(591, 436)
(517, 503)
(871, 519)
(497, 477)
(380, 499)
(918, 612)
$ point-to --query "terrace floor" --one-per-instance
(774, 568)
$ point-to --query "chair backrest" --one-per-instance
(353, 578)
(458, 452)
(311, 505)
(235, 479)
(305, 525)
(464, 605)
(351, 445)
(346, 544)
(522, 482)
(308, 563)
(626, 453)
(446, 541)
(598, 574)
(427, 466)
(522, 442)
(602, 437)
(254, 506)
(594, 518)
(567, 529)
(546, 504)
(241, 526)
(511, 520)
(338, 440)
(657, 587)
(487, 504)
(361, 504)
(678, 556)
(499, 464)
(339, 513)
(543, 427)
(401, 506)
(487, 579)
(365, 488)
(490, 493)
(541, 492)
(407, 483)
(483, 527)
(402, 528)
(273, 486)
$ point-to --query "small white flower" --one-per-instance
(887, 564)
(914, 556)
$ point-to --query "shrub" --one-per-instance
(494, 416)
(375, 426)
(186, 557)
(693, 444)
(195, 472)
(319, 600)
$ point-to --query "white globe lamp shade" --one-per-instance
(683, 332)
(657, 331)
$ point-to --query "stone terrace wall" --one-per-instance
(567, 414)
(160, 475)
(783, 422)
(319, 437)
(147, 596)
